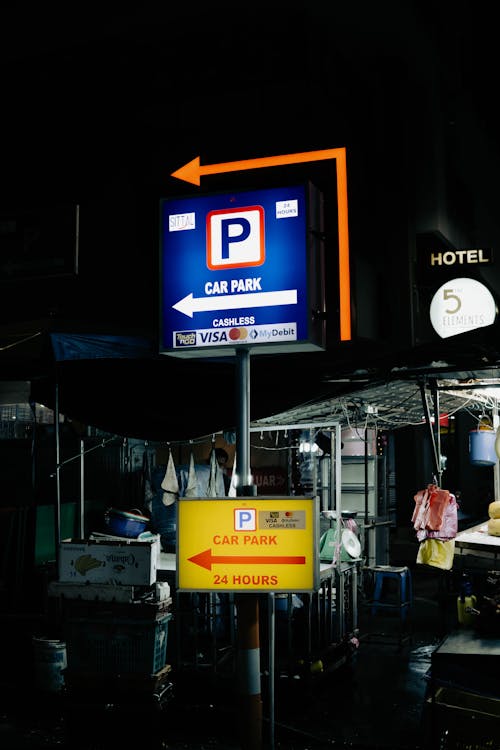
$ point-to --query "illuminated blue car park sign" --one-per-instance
(235, 270)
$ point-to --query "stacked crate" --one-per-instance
(115, 619)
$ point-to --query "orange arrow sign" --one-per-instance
(206, 560)
(193, 171)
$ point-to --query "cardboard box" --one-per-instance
(130, 562)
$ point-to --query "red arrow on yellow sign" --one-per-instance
(193, 171)
(206, 559)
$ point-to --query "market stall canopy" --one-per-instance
(116, 381)
(362, 384)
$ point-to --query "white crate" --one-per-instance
(130, 562)
(105, 592)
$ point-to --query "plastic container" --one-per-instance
(466, 604)
(50, 662)
(482, 447)
(125, 523)
(117, 645)
(356, 443)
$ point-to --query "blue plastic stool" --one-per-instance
(402, 575)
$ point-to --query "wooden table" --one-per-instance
(475, 542)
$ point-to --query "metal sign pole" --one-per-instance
(81, 515)
(57, 531)
(496, 471)
(247, 605)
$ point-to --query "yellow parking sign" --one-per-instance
(247, 544)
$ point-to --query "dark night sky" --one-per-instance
(99, 108)
(89, 99)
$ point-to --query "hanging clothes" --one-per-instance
(435, 520)
(449, 524)
(421, 506)
(438, 501)
(430, 507)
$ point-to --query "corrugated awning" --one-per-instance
(397, 403)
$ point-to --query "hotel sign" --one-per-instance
(456, 290)
(452, 258)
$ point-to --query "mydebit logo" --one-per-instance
(235, 238)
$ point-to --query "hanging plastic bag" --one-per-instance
(232, 491)
(170, 483)
(213, 476)
(436, 553)
(192, 480)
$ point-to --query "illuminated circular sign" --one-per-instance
(461, 305)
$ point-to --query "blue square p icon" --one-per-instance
(245, 519)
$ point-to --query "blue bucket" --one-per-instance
(482, 447)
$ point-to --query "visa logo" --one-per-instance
(210, 337)
(235, 238)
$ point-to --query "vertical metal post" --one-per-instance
(496, 470)
(81, 516)
(354, 592)
(436, 449)
(34, 442)
(338, 478)
(245, 487)
(333, 473)
(437, 432)
(271, 624)
(314, 464)
(247, 605)
(367, 488)
(324, 467)
(58, 474)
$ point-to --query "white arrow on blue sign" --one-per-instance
(190, 305)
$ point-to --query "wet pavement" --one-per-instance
(376, 699)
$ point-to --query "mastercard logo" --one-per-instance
(238, 334)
